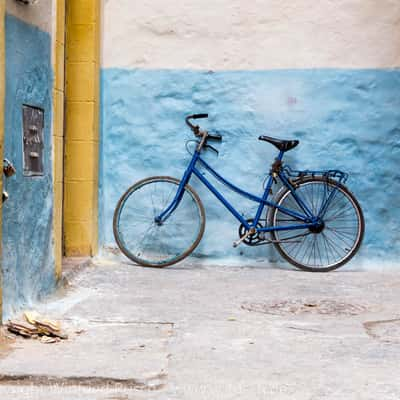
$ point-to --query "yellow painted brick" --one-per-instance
(82, 81)
(57, 235)
(82, 124)
(58, 260)
(58, 113)
(97, 43)
(82, 43)
(59, 66)
(96, 152)
(79, 201)
(58, 249)
(60, 29)
(58, 215)
(95, 208)
(95, 231)
(58, 159)
(97, 83)
(83, 11)
(96, 127)
(81, 121)
(95, 239)
(57, 227)
(57, 222)
(58, 204)
(79, 161)
(78, 238)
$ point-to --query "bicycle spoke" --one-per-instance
(326, 248)
(319, 252)
(151, 243)
(338, 235)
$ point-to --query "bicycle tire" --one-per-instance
(191, 199)
(284, 194)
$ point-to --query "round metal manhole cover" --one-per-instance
(301, 306)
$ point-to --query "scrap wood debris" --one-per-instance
(36, 327)
(22, 328)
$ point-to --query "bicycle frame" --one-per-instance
(307, 220)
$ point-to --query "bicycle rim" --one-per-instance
(144, 241)
(340, 237)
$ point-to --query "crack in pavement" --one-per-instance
(116, 338)
(153, 383)
(121, 322)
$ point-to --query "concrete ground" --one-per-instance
(190, 332)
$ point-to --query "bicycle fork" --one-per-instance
(160, 219)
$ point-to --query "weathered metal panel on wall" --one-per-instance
(33, 125)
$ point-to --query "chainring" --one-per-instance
(253, 239)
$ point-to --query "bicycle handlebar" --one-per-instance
(196, 129)
(198, 116)
(216, 137)
(194, 116)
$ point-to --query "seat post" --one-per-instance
(280, 156)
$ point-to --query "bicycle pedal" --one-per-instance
(251, 231)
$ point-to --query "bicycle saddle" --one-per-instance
(282, 145)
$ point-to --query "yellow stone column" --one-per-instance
(82, 128)
(58, 132)
(2, 97)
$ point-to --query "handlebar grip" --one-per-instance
(198, 116)
(216, 137)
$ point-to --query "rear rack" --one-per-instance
(327, 176)
(334, 174)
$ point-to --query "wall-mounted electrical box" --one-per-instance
(33, 125)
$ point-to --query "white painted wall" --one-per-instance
(39, 14)
(256, 34)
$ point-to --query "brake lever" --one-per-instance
(212, 148)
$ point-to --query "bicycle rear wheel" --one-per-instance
(332, 244)
(148, 243)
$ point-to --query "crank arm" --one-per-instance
(250, 232)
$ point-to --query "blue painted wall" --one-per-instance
(347, 119)
(28, 264)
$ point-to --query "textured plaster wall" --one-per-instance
(325, 74)
(248, 35)
(28, 264)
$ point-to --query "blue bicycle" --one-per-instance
(314, 221)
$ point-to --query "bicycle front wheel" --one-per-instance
(328, 246)
(151, 244)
